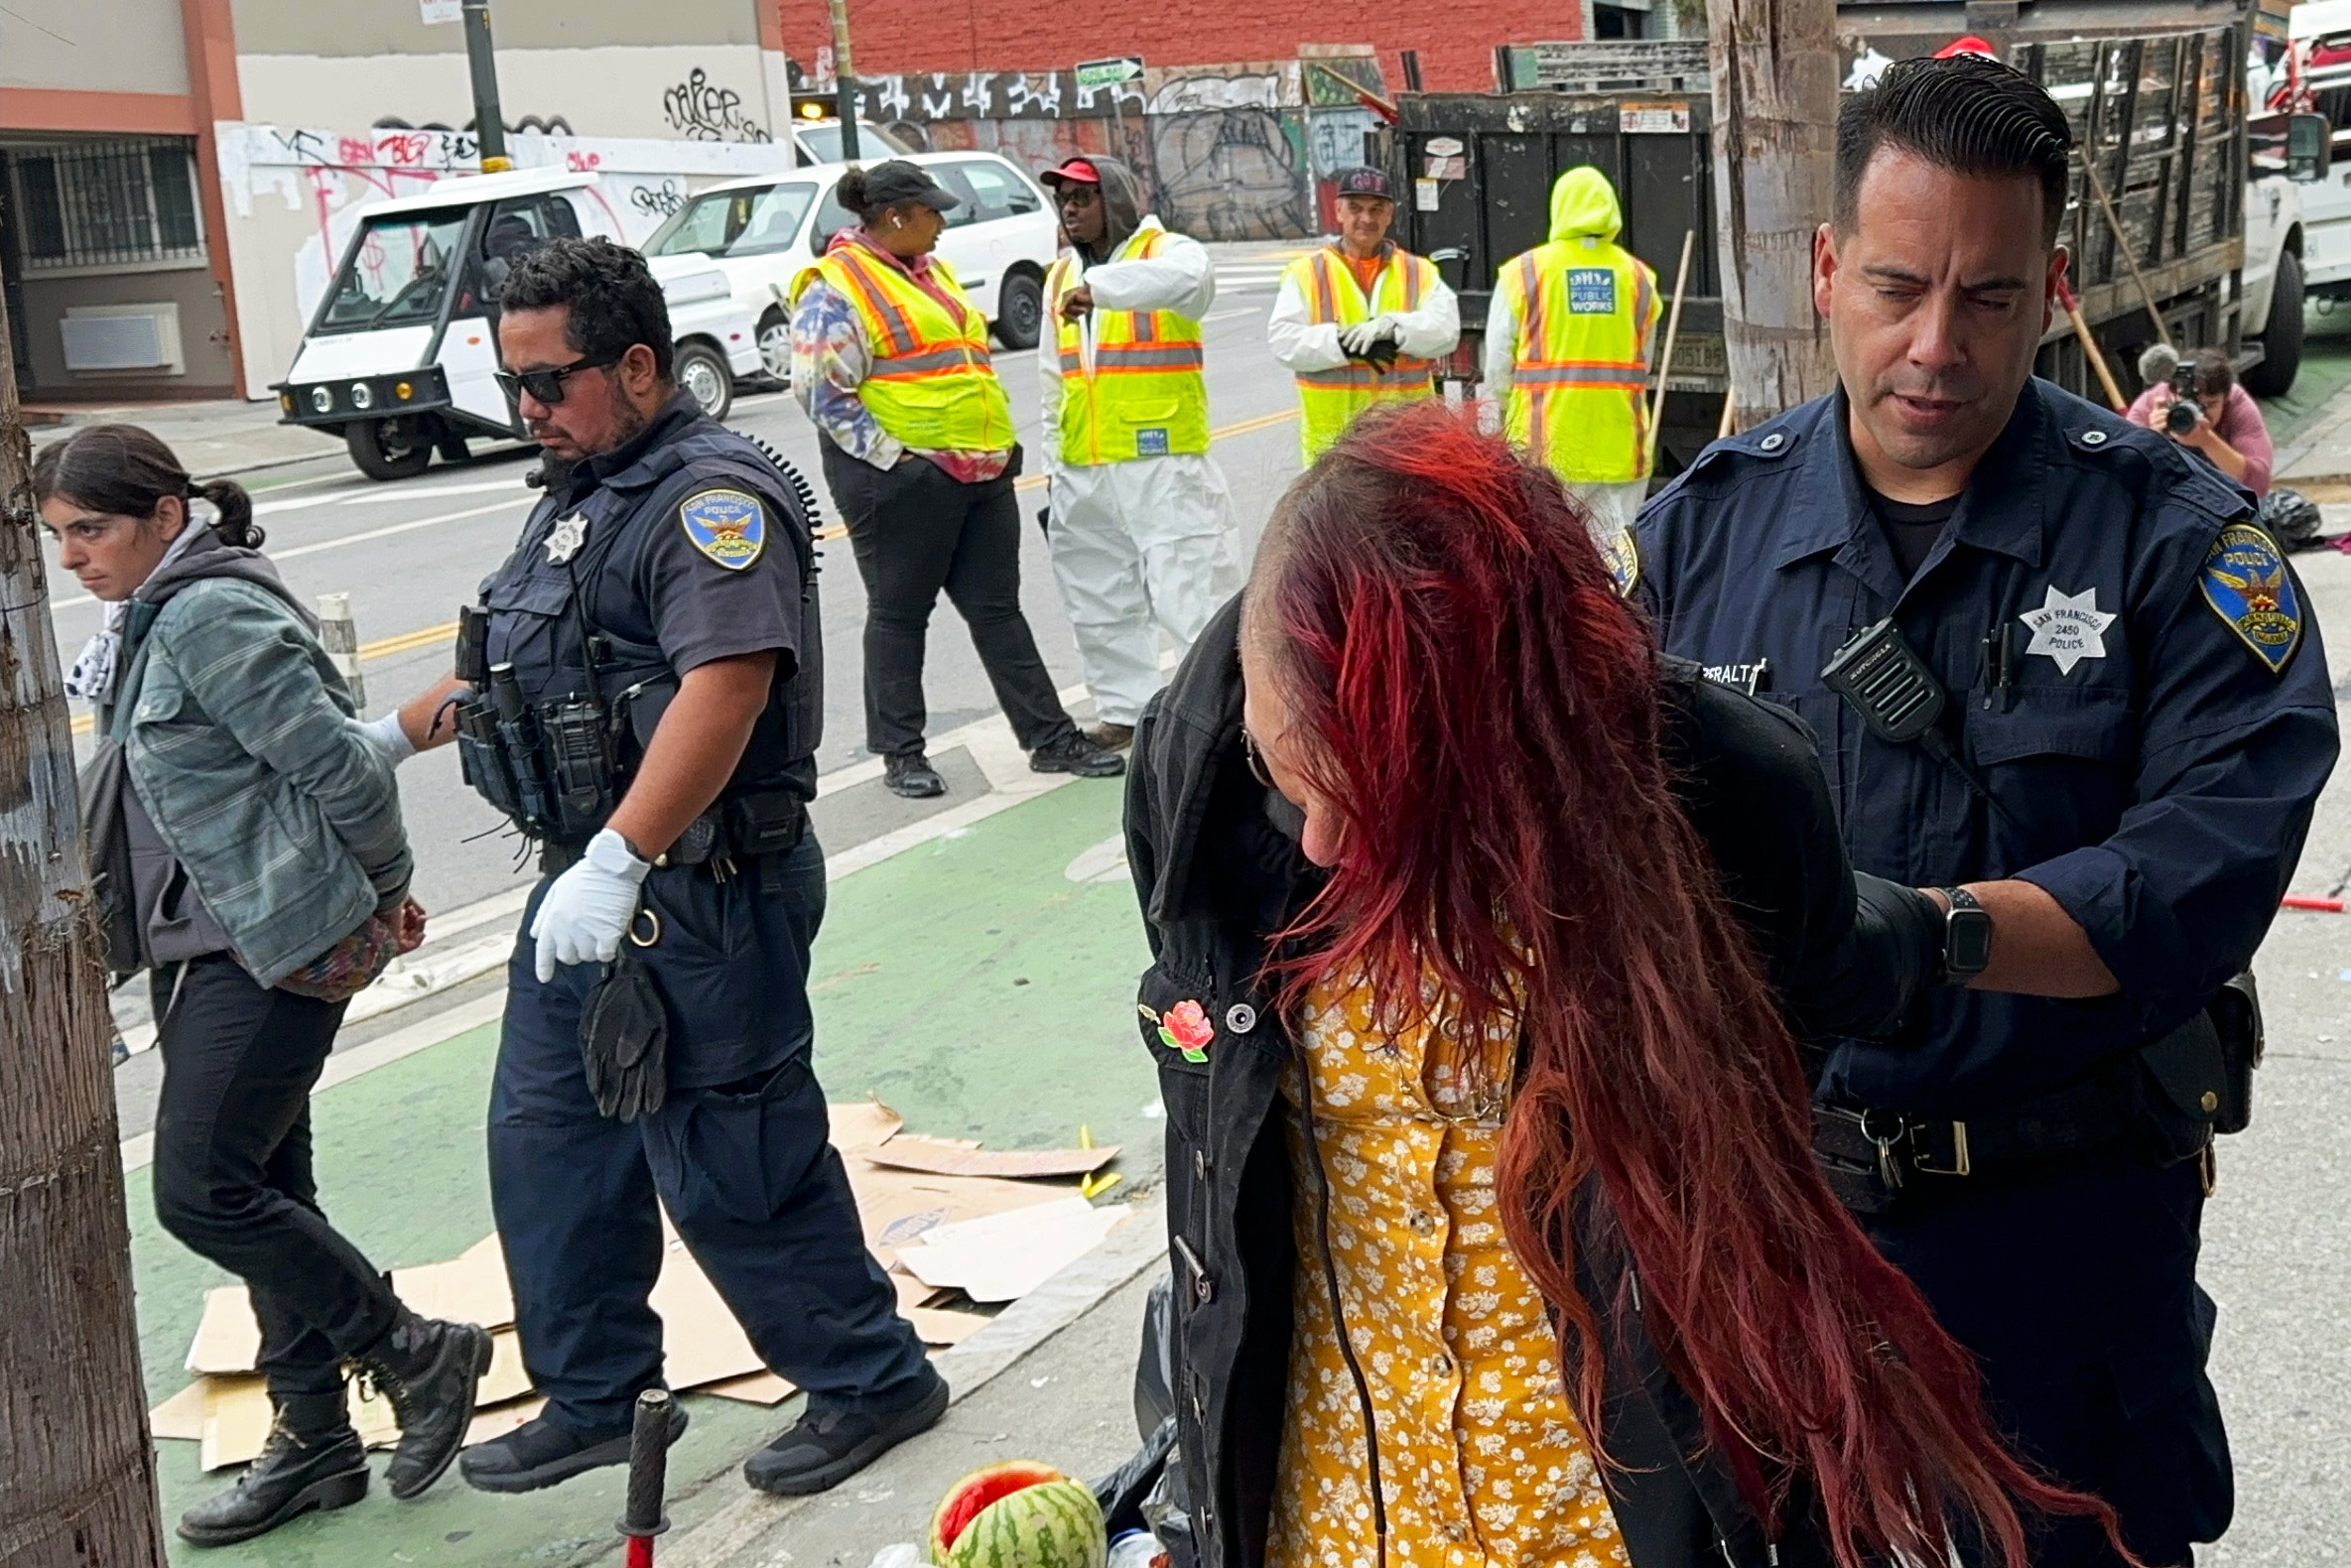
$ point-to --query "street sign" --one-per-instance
(1109, 73)
(441, 10)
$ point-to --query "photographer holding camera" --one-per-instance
(2198, 404)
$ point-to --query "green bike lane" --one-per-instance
(980, 984)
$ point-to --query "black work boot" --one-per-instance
(429, 1371)
(1074, 753)
(542, 1452)
(910, 774)
(313, 1460)
(829, 1444)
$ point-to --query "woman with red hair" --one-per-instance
(1497, 1235)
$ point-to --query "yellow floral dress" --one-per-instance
(1483, 1462)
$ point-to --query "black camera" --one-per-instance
(2180, 417)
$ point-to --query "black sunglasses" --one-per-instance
(546, 386)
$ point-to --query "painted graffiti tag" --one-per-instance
(703, 111)
(657, 200)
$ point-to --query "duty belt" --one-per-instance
(731, 832)
(2088, 1119)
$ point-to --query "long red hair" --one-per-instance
(1482, 711)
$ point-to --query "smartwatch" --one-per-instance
(1967, 938)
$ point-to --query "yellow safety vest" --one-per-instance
(929, 385)
(1580, 373)
(1145, 396)
(1329, 400)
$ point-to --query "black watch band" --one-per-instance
(1967, 938)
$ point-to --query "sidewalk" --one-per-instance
(215, 439)
(980, 984)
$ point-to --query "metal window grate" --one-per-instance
(119, 202)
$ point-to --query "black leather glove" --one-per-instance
(625, 1039)
(1894, 953)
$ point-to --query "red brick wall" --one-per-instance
(1456, 44)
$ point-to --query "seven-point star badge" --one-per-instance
(2068, 627)
(566, 538)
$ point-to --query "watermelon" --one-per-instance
(1018, 1515)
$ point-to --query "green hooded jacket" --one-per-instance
(1584, 206)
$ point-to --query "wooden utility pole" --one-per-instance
(1775, 70)
(76, 1469)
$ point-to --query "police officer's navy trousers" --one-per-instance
(738, 1155)
(2075, 1285)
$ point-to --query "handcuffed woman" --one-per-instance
(1497, 1235)
(247, 852)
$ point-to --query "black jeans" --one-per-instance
(232, 1167)
(916, 531)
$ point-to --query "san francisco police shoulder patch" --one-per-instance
(1622, 556)
(2246, 583)
(728, 526)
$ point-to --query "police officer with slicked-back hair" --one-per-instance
(2071, 703)
(640, 690)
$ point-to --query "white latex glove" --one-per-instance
(586, 911)
(390, 741)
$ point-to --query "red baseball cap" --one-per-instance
(1080, 170)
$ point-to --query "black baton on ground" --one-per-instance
(648, 1475)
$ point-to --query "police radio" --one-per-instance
(1889, 685)
(1882, 679)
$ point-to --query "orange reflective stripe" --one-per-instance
(1530, 289)
(1325, 292)
(875, 297)
(1580, 375)
(1147, 355)
(929, 361)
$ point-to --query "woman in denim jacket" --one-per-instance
(263, 851)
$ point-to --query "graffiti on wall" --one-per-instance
(700, 110)
(1228, 154)
(924, 97)
(657, 200)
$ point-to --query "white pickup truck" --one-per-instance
(402, 356)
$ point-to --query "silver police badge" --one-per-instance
(564, 539)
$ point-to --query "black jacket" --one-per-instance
(1216, 877)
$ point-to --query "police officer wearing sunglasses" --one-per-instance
(640, 690)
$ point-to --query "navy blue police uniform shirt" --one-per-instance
(700, 567)
(2132, 673)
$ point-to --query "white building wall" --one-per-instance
(730, 92)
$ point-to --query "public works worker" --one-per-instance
(890, 361)
(1140, 519)
(1361, 322)
(1567, 353)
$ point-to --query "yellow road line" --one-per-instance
(445, 633)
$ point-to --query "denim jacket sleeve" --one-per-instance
(259, 675)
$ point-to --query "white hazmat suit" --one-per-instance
(1147, 545)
